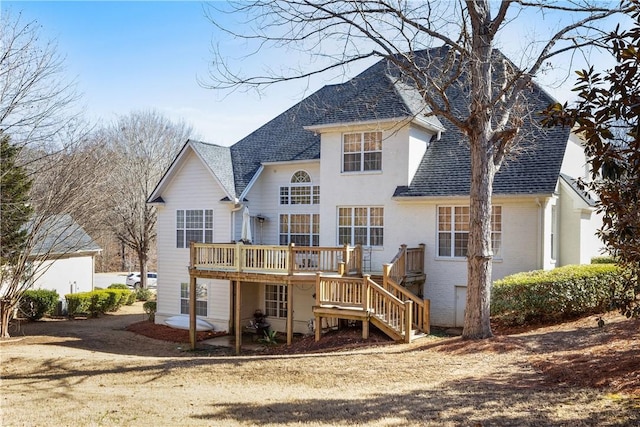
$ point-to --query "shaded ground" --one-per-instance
(95, 372)
(577, 353)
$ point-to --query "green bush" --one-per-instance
(143, 294)
(118, 286)
(603, 260)
(35, 303)
(150, 307)
(78, 303)
(555, 295)
(98, 302)
(131, 298)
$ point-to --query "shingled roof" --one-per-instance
(377, 95)
(60, 235)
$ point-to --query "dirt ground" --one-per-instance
(99, 372)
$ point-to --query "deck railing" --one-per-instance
(268, 259)
(407, 261)
(365, 295)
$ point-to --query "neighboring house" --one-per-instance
(64, 256)
(359, 163)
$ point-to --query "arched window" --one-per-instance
(300, 177)
(301, 191)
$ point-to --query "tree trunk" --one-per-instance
(142, 259)
(477, 322)
(6, 309)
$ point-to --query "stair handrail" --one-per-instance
(421, 306)
(393, 310)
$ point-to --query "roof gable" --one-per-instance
(217, 160)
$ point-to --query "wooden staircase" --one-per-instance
(389, 306)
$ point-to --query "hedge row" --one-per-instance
(35, 303)
(99, 301)
(555, 295)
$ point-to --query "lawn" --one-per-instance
(95, 372)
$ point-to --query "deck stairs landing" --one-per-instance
(384, 302)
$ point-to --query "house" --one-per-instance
(360, 175)
(63, 256)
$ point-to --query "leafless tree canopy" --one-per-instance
(335, 34)
(37, 100)
(141, 146)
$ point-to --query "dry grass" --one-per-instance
(94, 372)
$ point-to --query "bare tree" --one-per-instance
(338, 33)
(61, 198)
(37, 100)
(37, 111)
(142, 146)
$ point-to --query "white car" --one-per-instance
(133, 280)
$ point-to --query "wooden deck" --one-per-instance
(341, 288)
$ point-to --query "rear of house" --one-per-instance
(328, 174)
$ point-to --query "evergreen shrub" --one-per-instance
(555, 295)
(36, 303)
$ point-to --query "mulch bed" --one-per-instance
(166, 333)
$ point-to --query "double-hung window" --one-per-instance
(361, 225)
(195, 225)
(201, 299)
(362, 151)
(275, 301)
(300, 229)
(453, 231)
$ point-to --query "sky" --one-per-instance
(129, 56)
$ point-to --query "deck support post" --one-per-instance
(289, 314)
(192, 312)
(236, 318)
(318, 324)
(366, 297)
(408, 320)
(426, 316)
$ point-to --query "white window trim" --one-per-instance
(311, 225)
(205, 300)
(314, 191)
(452, 257)
(184, 229)
(281, 304)
(362, 153)
(353, 227)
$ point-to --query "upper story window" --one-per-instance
(361, 225)
(195, 225)
(300, 191)
(453, 231)
(362, 151)
(301, 229)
